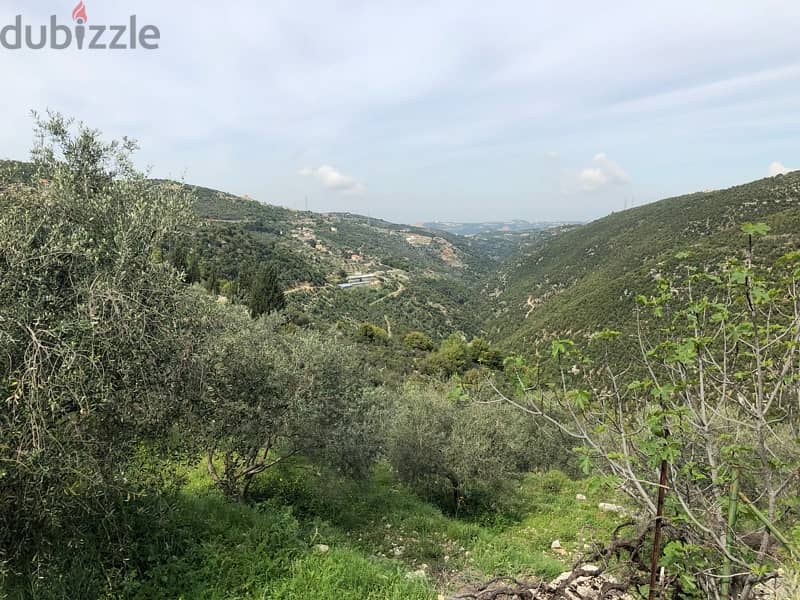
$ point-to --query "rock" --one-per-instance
(556, 545)
(322, 548)
(586, 587)
(398, 552)
(615, 508)
(591, 570)
(560, 579)
(580, 498)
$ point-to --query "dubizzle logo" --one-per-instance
(81, 35)
(79, 13)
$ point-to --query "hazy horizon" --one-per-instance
(443, 111)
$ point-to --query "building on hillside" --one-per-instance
(359, 280)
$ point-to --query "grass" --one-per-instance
(383, 542)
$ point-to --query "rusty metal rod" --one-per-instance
(662, 492)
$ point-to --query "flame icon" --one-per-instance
(79, 13)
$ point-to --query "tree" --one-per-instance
(452, 356)
(709, 406)
(373, 333)
(418, 340)
(265, 294)
(90, 339)
(483, 353)
(265, 395)
(442, 442)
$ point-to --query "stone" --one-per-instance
(580, 498)
(556, 545)
(591, 570)
(615, 508)
(322, 548)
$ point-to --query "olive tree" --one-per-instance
(89, 333)
(445, 441)
(707, 413)
(266, 393)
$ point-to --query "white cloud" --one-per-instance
(445, 116)
(332, 179)
(777, 168)
(603, 172)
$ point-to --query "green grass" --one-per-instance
(378, 533)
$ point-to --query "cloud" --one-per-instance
(452, 115)
(603, 172)
(332, 179)
(777, 168)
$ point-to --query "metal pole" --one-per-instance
(662, 491)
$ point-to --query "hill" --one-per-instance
(586, 277)
(422, 279)
(470, 229)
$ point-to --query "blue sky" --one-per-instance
(451, 110)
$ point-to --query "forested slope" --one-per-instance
(587, 277)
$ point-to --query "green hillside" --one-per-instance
(424, 279)
(212, 397)
(586, 277)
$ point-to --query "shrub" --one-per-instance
(417, 340)
(373, 333)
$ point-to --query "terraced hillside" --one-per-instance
(422, 279)
(586, 277)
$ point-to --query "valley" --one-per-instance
(335, 405)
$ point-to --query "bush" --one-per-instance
(373, 333)
(417, 340)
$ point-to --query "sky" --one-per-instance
(431, 110)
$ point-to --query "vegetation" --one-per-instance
(194, 408)
(709, 411)
(463, 454)
(586, 278)
(265, 295)
(90, 340)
